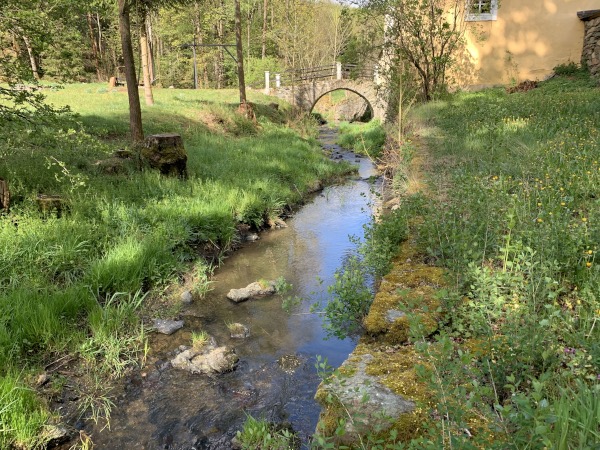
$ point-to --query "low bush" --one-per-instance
(351, 294)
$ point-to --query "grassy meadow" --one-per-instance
(513, 210)
(72, 282)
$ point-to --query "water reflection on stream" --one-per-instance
(172, 409)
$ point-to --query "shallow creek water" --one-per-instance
(166, 408)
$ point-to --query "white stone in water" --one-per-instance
(239, 331)
(55, 435)
(280, 223)
(206, 359)
(252, 290)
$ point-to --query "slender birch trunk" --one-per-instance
(264, 28)
(32, 61)
(145, 61)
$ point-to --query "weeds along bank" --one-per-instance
(73, 279)
(515, 216)
(364, 138)
(503, 351)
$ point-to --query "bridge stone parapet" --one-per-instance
(307, 94)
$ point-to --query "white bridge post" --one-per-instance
(338, 70)
(277, 80)
(267, 82)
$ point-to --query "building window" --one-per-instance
(482, 10)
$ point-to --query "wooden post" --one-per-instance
(338, 70)
(267, 82)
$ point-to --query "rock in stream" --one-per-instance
(207, 359)
(252, 290)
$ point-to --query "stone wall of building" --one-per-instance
(591, 46)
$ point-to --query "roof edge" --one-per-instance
(588, 15)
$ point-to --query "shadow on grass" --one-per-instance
(136, 230)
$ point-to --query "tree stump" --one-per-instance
(166, 153)
(48, 204)
(112, 82)
(4, 195)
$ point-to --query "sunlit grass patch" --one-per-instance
(22, 415)
(200, 338)
(364, 138)
(116, 334)
(260, 433)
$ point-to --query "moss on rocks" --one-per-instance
(409, 298)
(409, 294)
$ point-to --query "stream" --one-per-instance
(166, 408)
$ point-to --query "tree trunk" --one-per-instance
(240, 54)
(201, 52)
(99, 34)
(94, 43)
(221, 53)
(15, 42)
(264, 28)
(135, 111)
(145, 60)
(32, 61)
(248, 25)
(150, 49)
(4, 195)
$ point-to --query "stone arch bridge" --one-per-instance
(305, 87)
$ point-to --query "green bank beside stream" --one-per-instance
(76, 276)
(487, 320)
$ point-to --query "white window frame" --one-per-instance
(475, 17)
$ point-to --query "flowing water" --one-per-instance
(166, 408)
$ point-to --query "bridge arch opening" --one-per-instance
(343, 104)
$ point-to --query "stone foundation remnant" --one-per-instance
(591, 40)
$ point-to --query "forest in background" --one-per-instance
(78, 40)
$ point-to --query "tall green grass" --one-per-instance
(364, 138)
(71, 281)
(517, 218)
(22, 416)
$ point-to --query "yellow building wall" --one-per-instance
(525, 42)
